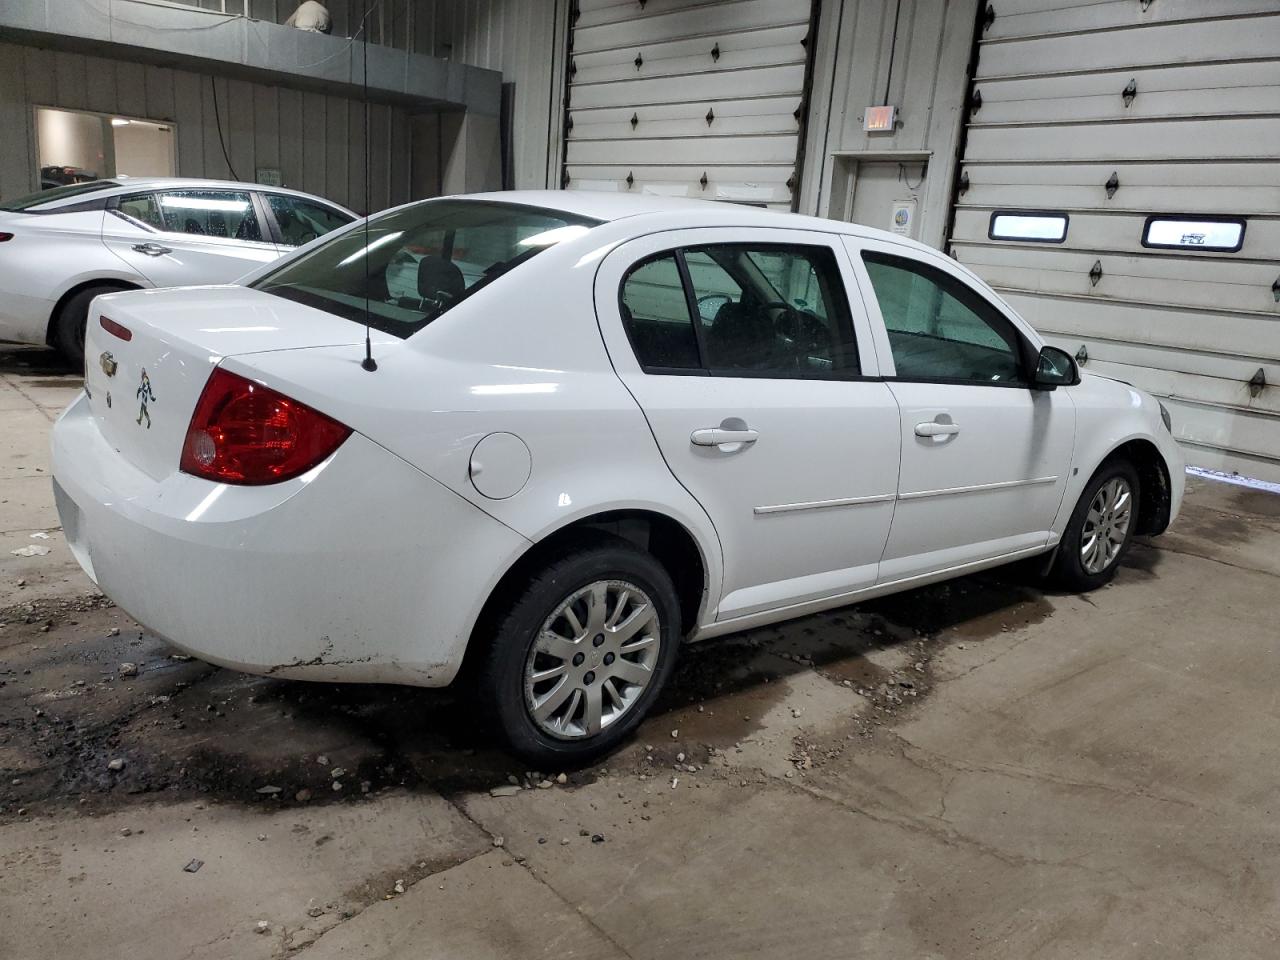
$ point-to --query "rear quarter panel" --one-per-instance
(523, 356)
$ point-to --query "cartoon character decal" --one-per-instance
(145, 396)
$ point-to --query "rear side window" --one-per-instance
(655, 312)
(227, 214)
(767, 310)
(939, 328)
(142, 207)
(301, 221)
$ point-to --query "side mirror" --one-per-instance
(1055, 368)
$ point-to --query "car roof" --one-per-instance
(608, 206)
(114, 185)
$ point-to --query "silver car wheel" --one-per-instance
(592, 660)
(1106, 526)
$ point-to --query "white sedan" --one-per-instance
(62, 247)
(631, 423)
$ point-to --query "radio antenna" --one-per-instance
(368, 363)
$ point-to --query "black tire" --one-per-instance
(501, 677)
(1068, 569)
(69, 325)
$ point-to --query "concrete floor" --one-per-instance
(971, 770)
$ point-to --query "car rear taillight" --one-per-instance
(5, 236)
(245, 433)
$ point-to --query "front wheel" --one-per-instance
(1101, 528)
(582, 653)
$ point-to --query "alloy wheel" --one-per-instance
(1106, 525)
(592, 660)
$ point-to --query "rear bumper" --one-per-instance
(363, 569)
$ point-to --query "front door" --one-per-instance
(984, 457)
(754, 372)
(178, 237)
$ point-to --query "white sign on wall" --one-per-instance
(902, 218)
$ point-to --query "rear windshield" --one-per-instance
(34, 201)
(421, 260)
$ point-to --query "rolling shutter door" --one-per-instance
(687, 99)
(1113, 113)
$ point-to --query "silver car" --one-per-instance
(60, 248)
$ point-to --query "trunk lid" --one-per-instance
(143, 389)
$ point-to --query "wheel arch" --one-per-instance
(1155, 501)
(669, 540)
(116, 283)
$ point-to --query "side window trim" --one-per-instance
(691, 305)
(857, 247)
(268, 218)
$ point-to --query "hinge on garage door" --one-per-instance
(1275, 289)
(635, 120)
(964, 183)
(1144, 4)
(1095, 274)
(1257, 383)
(988, 17)
(631, 179)
(975, 102)
(703, 180)
(638, 61)
(1129, 92)
(715, 53)
(1082, 355)
(1113, 184)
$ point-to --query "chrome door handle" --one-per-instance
(723, 438)
(932, 428)
(151, 249)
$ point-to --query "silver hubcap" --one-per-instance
(592, 659)
(1106, 527)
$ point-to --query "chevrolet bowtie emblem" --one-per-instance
(108, 363)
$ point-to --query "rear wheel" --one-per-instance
(582, 653)
(1101, 528)
(69, 325)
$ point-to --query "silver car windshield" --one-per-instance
(416, 263)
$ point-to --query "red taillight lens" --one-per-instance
(5, 236)
(115, 329)
(244, 433)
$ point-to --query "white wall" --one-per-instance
(144, 149)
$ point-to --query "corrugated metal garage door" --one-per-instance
(1196, 133)
(687, 99)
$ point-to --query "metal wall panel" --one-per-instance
(315, 140)
(1199, 134)
(698, 99)
(861, 61)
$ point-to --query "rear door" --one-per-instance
(180, 237)
(757, 379)
(984, 457)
